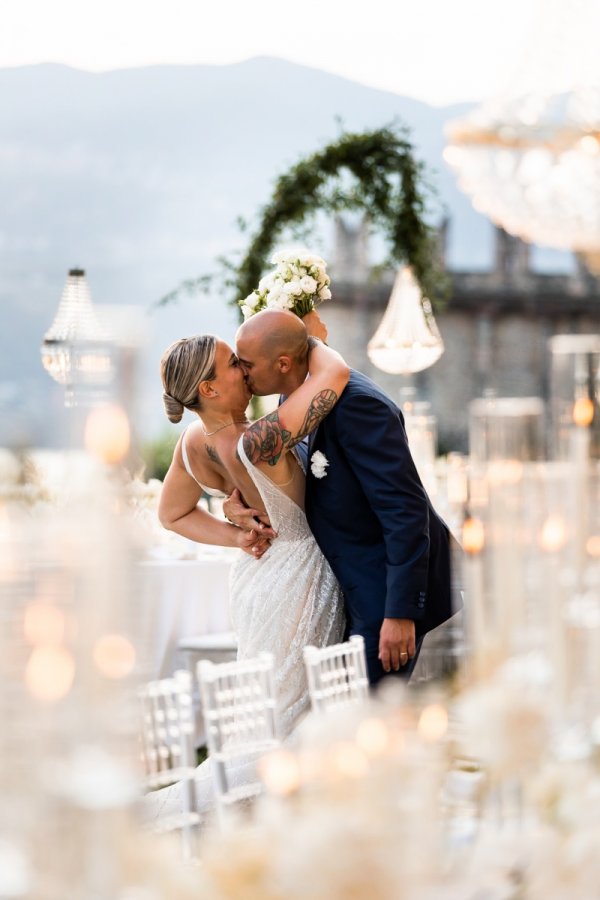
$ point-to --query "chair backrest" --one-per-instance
(238, 703)
(168, 753)
(337, 675)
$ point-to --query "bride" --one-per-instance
(283, 594)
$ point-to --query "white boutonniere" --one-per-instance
(318, 464)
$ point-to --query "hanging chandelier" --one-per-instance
(407, 339)
(530, 158)
(76, 350)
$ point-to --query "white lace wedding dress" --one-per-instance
(280, 603)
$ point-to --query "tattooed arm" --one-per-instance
(179, 511)
(268, 438)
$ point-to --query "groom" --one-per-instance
(365, 503)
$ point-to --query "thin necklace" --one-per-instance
(226, 425)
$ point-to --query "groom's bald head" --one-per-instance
(272, 347)
(274, 331)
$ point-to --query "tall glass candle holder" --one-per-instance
(575, 396)
(421, 430)
(506, 428)
(506, 433)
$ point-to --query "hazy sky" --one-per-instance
(439, 51)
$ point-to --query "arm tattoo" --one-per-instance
(213, 455)
(320, 406)
(266, 439)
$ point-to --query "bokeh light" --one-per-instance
(114, 656)
(107, 433)
(49, 673)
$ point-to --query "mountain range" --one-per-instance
(138, 176)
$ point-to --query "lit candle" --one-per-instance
(552, 540)
(580, 439)
(473, 542)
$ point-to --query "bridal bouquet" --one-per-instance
(299, 282)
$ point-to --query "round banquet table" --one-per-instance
(183, 598)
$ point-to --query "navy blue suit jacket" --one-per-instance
(372, 518)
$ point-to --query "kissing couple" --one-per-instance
(339, 535)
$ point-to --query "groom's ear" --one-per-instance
(284, 364)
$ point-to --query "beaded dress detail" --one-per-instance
(287, 599)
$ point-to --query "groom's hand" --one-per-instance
(397, 643)
(236, 512)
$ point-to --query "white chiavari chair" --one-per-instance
(218, 647)
(238, 703)
(337, 675)
(168, 753)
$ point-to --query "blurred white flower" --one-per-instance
(516, 730)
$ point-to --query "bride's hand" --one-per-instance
(253, 544)
(236, 512)
(315, 326)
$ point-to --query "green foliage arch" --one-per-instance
(372, 172)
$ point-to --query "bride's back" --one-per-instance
(215, 463)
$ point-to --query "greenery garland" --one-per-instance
(387, 185)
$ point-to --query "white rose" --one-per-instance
(309, 285)
(283, 301)
(265, 283)
(247, 312)
(325, 294)
(252, 300)
(293, 288)
(310, 259)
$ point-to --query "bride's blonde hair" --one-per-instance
(183, 366)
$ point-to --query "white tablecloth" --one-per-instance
(182, 598)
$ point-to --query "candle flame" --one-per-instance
(583, 412)
(473, 535)
(553, 536)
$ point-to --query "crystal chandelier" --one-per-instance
(407, 339)
(76, 350)
(530, 158)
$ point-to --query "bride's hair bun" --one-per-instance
(173, 408)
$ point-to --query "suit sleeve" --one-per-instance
(375, 444)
